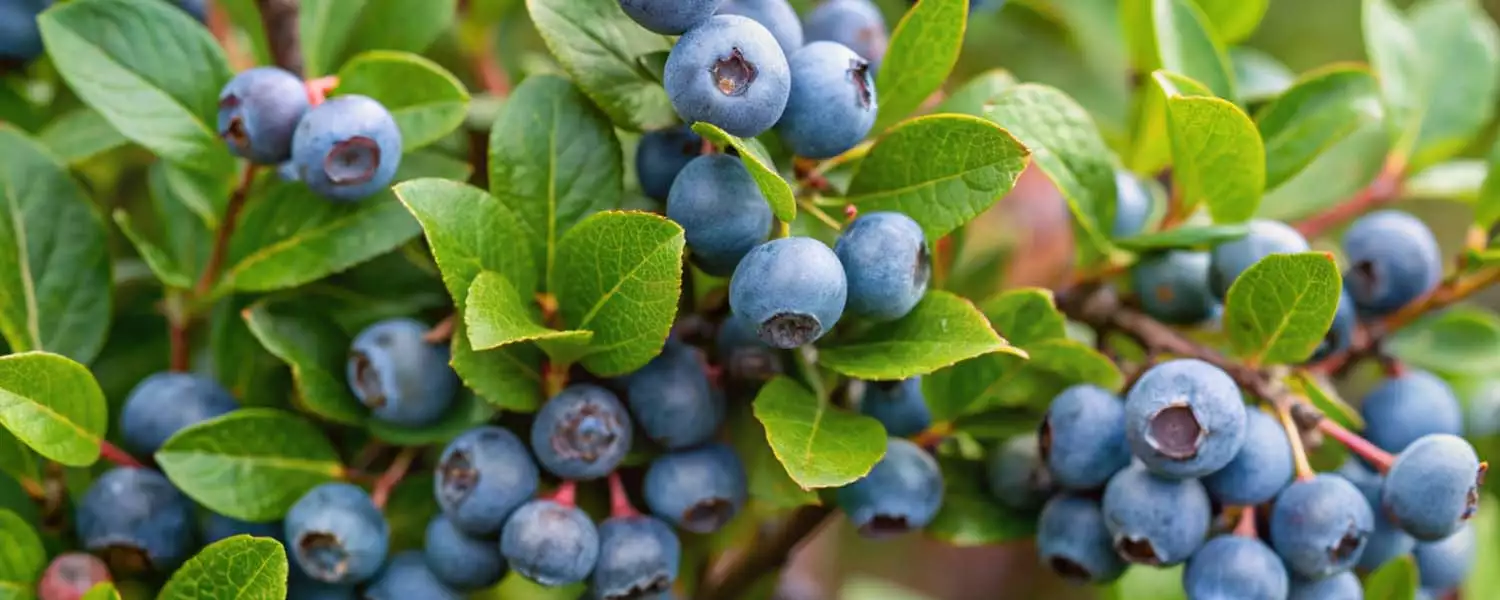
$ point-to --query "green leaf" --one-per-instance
(942, 330)
(102, 591)
(768, 481)
(54, 269)
(975, 95)
(1461, 50)
(620, 277)
(1321, 110)
(1148, 582)
(149, 69)
(22, 557)
(53, 405)
(18, 461)
(1396, 56)
(1462, 340)
(241, 567)
(941, 170)
(1025, 316)
(317, 351)
(497, 315)
(410, 508)
(923, 49)
(1260, 76)
(468, 411)
(1176, 36)
(422, 22)
(1233, 20)
(1004, 381)
(970, 516)
(820, 445)
(1184, 237)
(241, 362)
(163, 265)
(1280, 308)
(79, 135)
(251, 464)
(1325, 397)
(554, 160)
(1457, 180)
(324, 27)
(1217, 154)
(1487, 206)
(509, 378)
(601, 48)
(1066, 145)
(426, 100)
(1396, 580)
(758, 162)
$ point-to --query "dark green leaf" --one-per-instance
(1260, 76)
(758, 162)
(1461, 51)
(974, 96)
(1176, 36)
(923, 49)
(820, 445)
(163, 265)
(496, 315)
(468, 411)
(769, 482)
(241, 362)
(240, 567)
(18, 461)
(1396, 56)
(1198, 237)
(942, 330)
(1319, 112)
(1280, 308)
(426, 100)
(1397, 580)
(601, 49)
(189, 208)
(81, 134)
(509, 378)
(410, 508)
(317, 352)
(53, 405)
(1217, 156)
(324, 27)
(655, 63)
(1460, 340)
(1233, 20)
(1025, 316)
(969, 515)
(1325, 397)
(22, 557)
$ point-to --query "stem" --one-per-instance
(114, 454)
(181, 343)
(619, 501)
(282, 34)
(934, 435)
(1358, 445)
(210, 274)
(767, 556)
(1305, 471)
(554, 378)
(491, 74)
(1385, 189)
(317, 89)
(565, 494)
(392, 476)
(818, 213)
(1245, 527)
(442, 332)
(942, 261)
(223, 31)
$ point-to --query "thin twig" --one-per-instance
(282, 33)
(1385, 189)
(767, 556)
(211, 269)
(442, 332)
(1361, 447)
(491, 73)
(393, 476)
(114, 454)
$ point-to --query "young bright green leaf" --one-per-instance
(1217, 156)
(1325, 397)
(79, 135)
(768, 481)
(1396, 56)
(1461, 340)
(820, 445)
(762, 169)
(468, 411)
(970, 516)
(1461, 50)
(1233, 20)
(1148, 582)
(128, 59)
(102, 591)
(1317, 113)
(240, 567)
(1176, 36)
(554, 160)
(923, 49)
(1280, 308)
(975, 95)
(317, 352)
(1025, 316)
(1487, 206)
(54, 269)
(620, 276)
(22, 557)
(940, 170)
(53, 405)
(942, 330)
(18, 461)
(163, 265)
(251, 464)
(509, 378)
(600, 48)
(426, 100)
(1184, 237)
(497, 315)
(1396, 580)
(1260, 76)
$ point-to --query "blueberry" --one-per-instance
(1406, 407)
(1321, 526)
(699, 490)
(1072, 540)
(550, 543)
(258, 112)
(898, 405)
(1393, 260)
(721, 210)
(1433, 487)
(1341, 332)
(832, 104)
(482, 476)
(1265, 238)
(407, 577)
(337, 535)
(1343, 586)
(20, 39)
(1261, 468)
(902, 493)
(747, 360)
(1153, 520)
(1231, 566)
(70, 576)
(1132, 205)
(777, 16)
(347, 149)
(885, 260)
(1386, 541)
(302, 587)
(857, 24)
(672, 401)
(1016, 474)
(401, 377)
(669, 17)
(137, 520)
(729, 71)
(198, 9)
(165, 403)
(459, 560)
(1185, 418)
(661, 155)
(638, 558)
(217, 527)
(1173, 287)
(1446, 563)
(581, 433)
(793, 289)
(1082, 437)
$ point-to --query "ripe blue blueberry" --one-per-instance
(1433, 487)
(1230, 566)
(1446, 563)
(197, 8)
(1406, 407)
(661, 155)
(886, 263)
(729, 71)
(747, 360)
(258, 112)
(721, 210)
(482, 476)
(300, 586)
(1393, 259)
(638, 558)
(70, 576)
(136, 520)
(406, 577)
(857, 24)
(669, 17)
(347, 149)
(216, 527)
(777, 16)
(1321, 526)
(793, 289)
(1260, 470)
(1173, 287)
(1017, 475)
(550, 543)
(1231, 258)
(165, 403)
(902, 493)
(1386, 541)
(1082, 437)
(699, 490)
(1155, 521)
(337, 535)
(401, 377)
(1132, 205)
(1341, 332)
(1344, 586)
(1185, 418)
(20, 38)
(672, 401)
(459, 560)
(581, 433)
(1072, 540)
(832, 104)
(898, 405)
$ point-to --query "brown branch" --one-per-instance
(767, 555)
(210, 274)
(282, 34)
(180, 340)
(393, 475)
(491, 73)
(1385, 189)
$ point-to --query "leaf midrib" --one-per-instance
(604, 298)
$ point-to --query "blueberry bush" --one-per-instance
(626, 299)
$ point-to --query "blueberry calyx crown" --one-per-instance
(352, 161)
(733, 74)
(1176, 432)
(459, 476)
(367, 380)
(1137, 550)
(790, 330)
(587, 433)
(859, 72)
(322, 555)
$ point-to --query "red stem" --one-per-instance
(210, 274)
(1246, 525)
(566, 494)
(317, 89)
(619, 501)
(114, 454)
(1385, 189)
(180, 342)
(442, 332)
(1356, 444)
(392, 476)
(491, 75)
